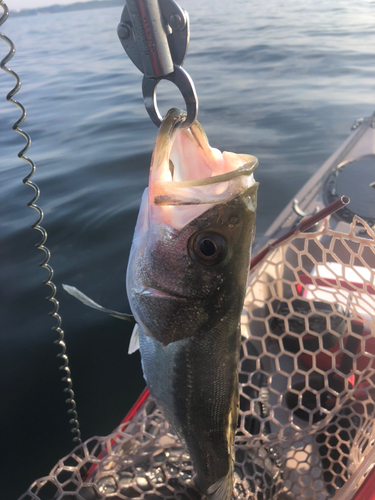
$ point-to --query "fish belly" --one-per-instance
(195, 384)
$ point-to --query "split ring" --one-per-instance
(185, 84)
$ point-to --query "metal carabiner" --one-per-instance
(155, 35)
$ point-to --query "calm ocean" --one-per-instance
(282, 80)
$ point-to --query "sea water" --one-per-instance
(282, 80)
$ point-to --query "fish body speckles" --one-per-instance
(195, 391)
(186, 283)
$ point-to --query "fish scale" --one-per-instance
(186, 282)
(197, 399)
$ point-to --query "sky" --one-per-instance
(31, 4)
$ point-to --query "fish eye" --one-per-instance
(208, 248)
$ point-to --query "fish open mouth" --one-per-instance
(187, 172)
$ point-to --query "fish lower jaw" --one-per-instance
(157, 292)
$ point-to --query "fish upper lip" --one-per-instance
(158, 292)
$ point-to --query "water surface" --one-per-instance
(281, 80)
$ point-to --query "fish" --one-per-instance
(186, 282)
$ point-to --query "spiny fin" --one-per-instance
(89, 302)
(222, 489)
(134, 340)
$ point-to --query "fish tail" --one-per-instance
(222, 489)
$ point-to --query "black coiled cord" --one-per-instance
(41, 245)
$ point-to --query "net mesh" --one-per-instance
(307, 388)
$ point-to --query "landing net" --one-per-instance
(307, 389)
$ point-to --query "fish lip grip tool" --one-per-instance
(155, 35)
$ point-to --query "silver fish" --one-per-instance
(186, 283)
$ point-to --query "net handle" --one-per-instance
(304, 224)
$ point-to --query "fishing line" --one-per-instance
(66, 379)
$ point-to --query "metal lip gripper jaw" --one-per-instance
(155, 35)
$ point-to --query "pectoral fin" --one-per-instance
(89, 302)
(134, 340)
